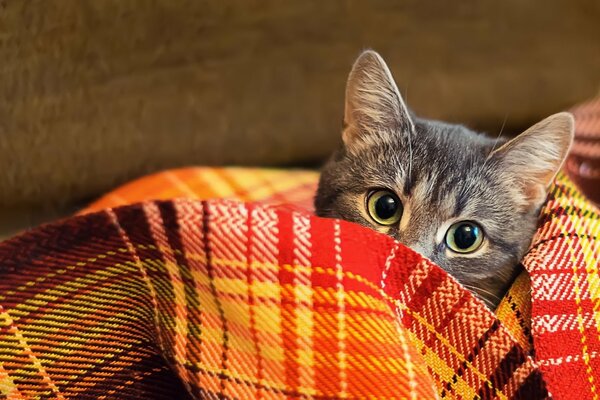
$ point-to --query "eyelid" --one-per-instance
(371, 190)
(440, 236)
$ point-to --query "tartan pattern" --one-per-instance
(219, 299)
(295, 190)
(291, 188)
(563, 264)
(242, 301)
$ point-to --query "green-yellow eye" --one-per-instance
(464, 237)
(384, 207)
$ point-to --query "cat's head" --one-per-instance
(467, 202)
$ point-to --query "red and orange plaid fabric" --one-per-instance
(244, 301)
(294, 189)
(369, 309)
(222, 299)
(209, 300)
(232, 300)
(563, 264)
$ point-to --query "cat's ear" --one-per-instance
(374, 106)
(532, 159)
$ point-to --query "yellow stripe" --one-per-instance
(340, 296)
(130, 249)
(59, 291)
(7, 385)
(180, 184)
(444, 371)
(590, 257)
(443, 340)
(580, 322)
(520, 293)
(14, 330)
(218, 186)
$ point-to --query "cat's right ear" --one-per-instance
(532, 159)
(374, 107)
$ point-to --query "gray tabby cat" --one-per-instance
(467, 202)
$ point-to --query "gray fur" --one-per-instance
(441, 172)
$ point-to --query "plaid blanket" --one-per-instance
(226, 299)
(223, 299)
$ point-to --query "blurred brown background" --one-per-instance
(94, 93)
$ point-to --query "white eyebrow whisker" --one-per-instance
(495, 143)
(481, 292)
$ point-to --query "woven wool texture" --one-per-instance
(563, 264)
(293, 190)
(226, 293)
(233, 300)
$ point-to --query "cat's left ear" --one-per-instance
(531, 160)
(374, 106)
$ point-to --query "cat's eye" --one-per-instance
(464, 237)
(384, 207)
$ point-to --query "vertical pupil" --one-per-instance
(386, 207)
(465, 236)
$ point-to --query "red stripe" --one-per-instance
(324, 341)
(285, 225)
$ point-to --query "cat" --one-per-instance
(466, 201)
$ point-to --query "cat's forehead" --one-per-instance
(433, 150)
(449, 141)
(438, 165)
